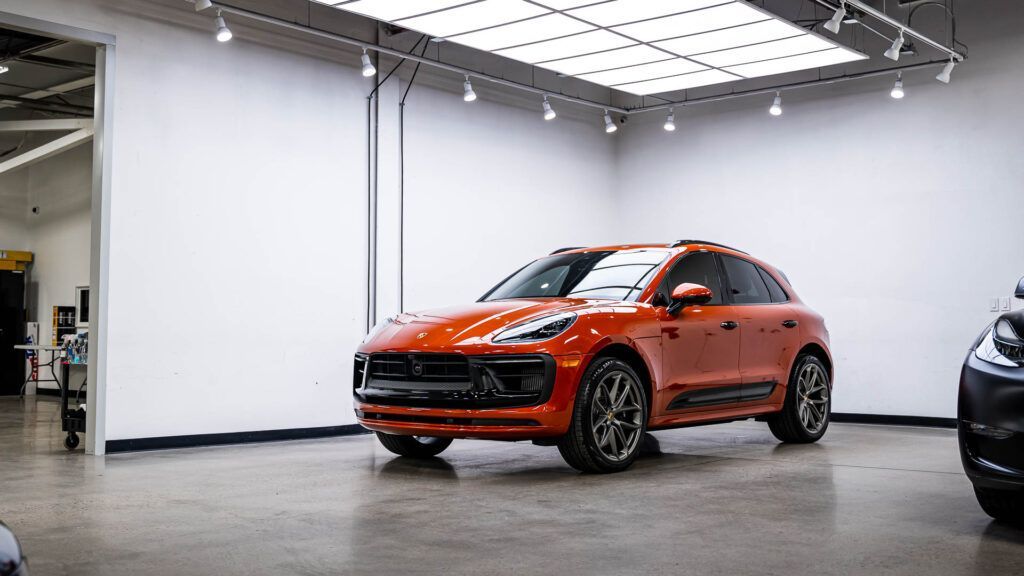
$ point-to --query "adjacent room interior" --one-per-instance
(284, 282)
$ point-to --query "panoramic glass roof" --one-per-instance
(637, 46)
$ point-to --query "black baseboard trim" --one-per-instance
(56, 392)
(892, 420)
(168, 442)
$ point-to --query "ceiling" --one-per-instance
(636, 46)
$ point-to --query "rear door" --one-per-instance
(700, 344)
(769, 333)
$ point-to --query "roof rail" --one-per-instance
(679, 243)
(566, 249)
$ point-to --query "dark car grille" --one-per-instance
(425, 379)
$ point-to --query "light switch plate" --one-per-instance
(1004, 303)
(993, 305)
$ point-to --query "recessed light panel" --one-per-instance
(631, 56)
(673, 67)
(391, 10)
(524, 32)
(765, 51)
(472, 17)
(683, 82)
(793, 63)
(695, 22)
(639, 46)
(586, 43)
(625, 11)
(747, 34)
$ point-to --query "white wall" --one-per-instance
(492, 186)
(13, 205)
(897, 220)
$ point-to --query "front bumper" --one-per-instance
(992, 396)
(479, 411)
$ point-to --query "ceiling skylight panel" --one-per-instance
(524, 32)
(633, 55)
(765, 51)
(629, 74)
(673, 83)
(390, 10)
(730, 37)
(704, 20)
(586, 43)
(793, 63)
(472, 17)
(623, 11)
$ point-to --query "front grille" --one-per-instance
(441, 372)
(454, 380)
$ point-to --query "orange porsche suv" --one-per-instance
(589, 348)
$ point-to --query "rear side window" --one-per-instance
(776, 291)
(696, 268)
(745, 283)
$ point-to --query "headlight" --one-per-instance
(376, 329)
(539, 329)
(996, 348)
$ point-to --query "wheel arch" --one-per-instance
(819, 352)
(634, 360)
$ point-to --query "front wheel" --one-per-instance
(414, 446)
(808, 406)
(1002, 504)
(608, 419)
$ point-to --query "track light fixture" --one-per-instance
(670, 121)
(837, 19)
(467, 90)
(549, 113)
(776, 107)
(897, 88)
(223, 33)
(893, 53)
(368, 67)
(946, 71)
(203, 5)
(609, 126)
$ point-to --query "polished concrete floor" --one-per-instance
(723, 499)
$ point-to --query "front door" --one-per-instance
(700, 344)
(12, 331)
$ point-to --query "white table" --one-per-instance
(39, 349)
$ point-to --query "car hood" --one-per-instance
(470, 324)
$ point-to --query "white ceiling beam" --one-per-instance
(47, 125)
(50, 149)
(53, 90)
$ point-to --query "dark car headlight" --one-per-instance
(536, 330)
(1001, 345)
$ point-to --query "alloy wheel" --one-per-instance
(616, 416)
(812, 398)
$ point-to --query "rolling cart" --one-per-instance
(72, 421)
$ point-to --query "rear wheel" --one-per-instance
(1002, 504)
(608, 421)
(414, 446)
(808, 406)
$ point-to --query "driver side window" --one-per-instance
(696, 268)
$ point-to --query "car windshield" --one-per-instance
(620, 275)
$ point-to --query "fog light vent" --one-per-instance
(987, 431)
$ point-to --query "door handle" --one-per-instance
(730, 325)
(790, 323)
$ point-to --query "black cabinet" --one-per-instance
(12, 331)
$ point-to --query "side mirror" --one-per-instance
(687, 294)
(1019, 293)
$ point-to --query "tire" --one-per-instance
(71, 441)
(1002, 505)
(614, 441)
(414, 446)
(804, 417)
